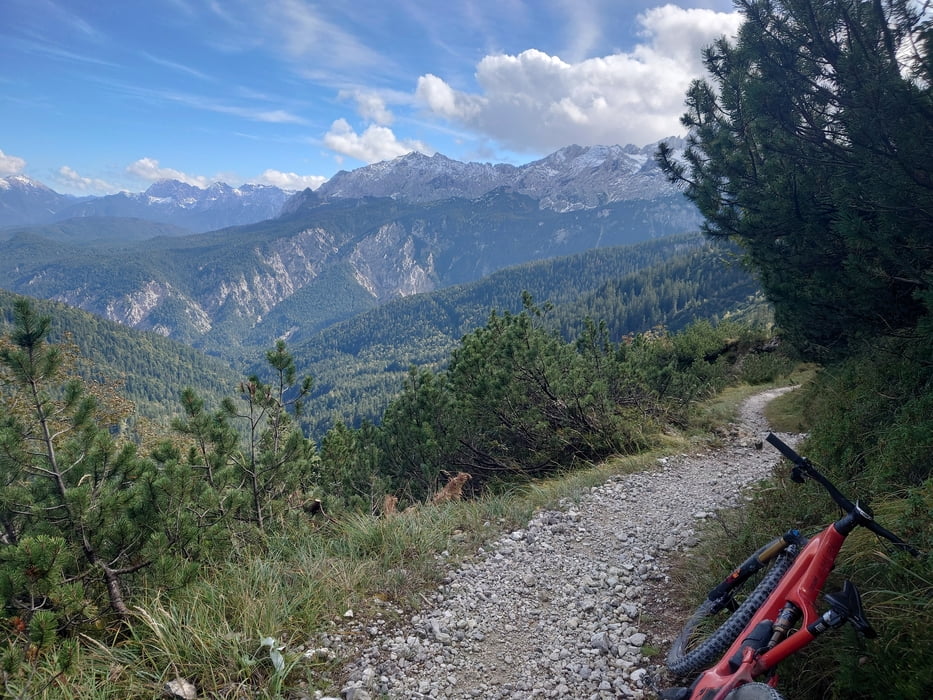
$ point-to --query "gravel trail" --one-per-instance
(552, 610)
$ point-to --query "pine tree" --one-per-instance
(253, 472)
(73, 510)
(810, 146)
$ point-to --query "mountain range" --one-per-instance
(574, 177)
(380, 267)
(24, 201)
(407, 226)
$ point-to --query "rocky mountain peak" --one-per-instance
(21, 182)
(172, 189)
(574, 177)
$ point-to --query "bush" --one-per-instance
(765, 367)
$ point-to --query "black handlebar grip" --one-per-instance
(888, 535)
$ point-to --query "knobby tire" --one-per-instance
(682, 661)
(754, 691)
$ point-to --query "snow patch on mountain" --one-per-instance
(575, 177)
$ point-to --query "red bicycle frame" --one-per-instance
(800, 585)
(767, 639)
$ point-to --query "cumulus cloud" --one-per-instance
(76, 182)
(537, 102)
(149, 169)
(290, 181)
(10, 165)
(369, 105)
(375, 144)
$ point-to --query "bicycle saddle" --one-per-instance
(848, 604)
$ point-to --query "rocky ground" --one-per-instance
(557, 609)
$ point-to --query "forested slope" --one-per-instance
(360, 364)
(151, 369)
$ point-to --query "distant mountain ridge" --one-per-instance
(194, 208)
(408, 226)
(24, 202)
(317, 265)
(574, 177)
(27, 201)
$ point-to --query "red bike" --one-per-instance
(736, 660)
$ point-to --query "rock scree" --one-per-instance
(554, 610)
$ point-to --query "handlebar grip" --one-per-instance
(890, 536)
(803, 464)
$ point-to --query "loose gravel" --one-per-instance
(553, 610)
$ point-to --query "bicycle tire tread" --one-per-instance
(681, 662)
(755, 691)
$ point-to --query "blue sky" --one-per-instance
(98, 96)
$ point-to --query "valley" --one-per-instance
(380, 269)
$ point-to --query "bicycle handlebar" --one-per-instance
(804, 468)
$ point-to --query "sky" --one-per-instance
(99, 96)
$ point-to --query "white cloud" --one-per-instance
(269, 116)
(290, 181)
(74, 181)
(149, 169)
(369, 105)
(10, 165)
(536, 102)
(304, 32)
(375, 144)
(680, 34)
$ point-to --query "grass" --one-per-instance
(296, 595)
(299, 593)
(787, 413)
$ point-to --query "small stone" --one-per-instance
(600, 641)
(356, 694)
(180, 689)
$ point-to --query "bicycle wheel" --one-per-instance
(702, 640)
(754, 691)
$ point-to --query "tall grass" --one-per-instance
(289, 596)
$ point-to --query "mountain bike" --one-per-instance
(736, 657)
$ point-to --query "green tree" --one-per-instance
(348, 471)
(528, 404)
(421, 434)
(74, 517)
(253, 472)
(810, 146)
